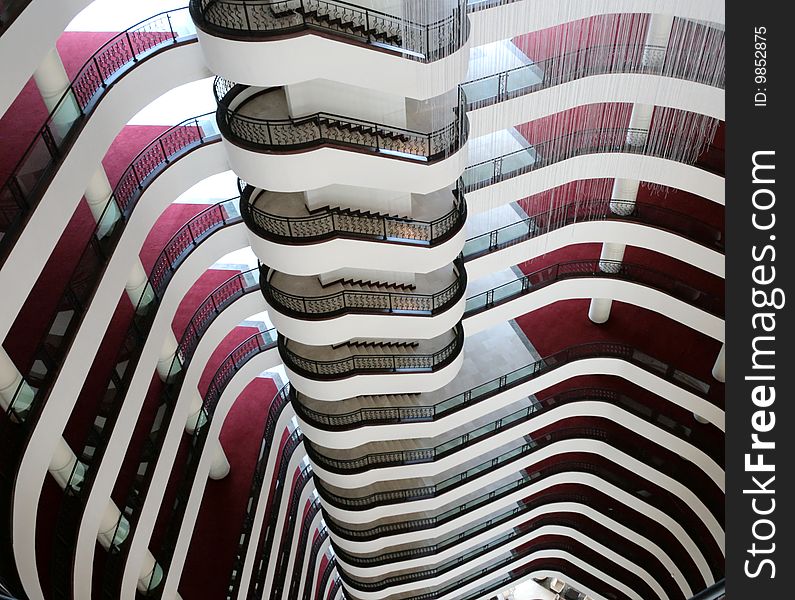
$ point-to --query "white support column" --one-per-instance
(99, 197)
(657, 36)
(168, 364)
(15, 393)
(138, 289)
(220, 467)
(609, 262)
(197, 417)
(719, 369)
(53, 83)
(625, 191)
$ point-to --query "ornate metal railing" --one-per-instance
(330, 223)
(617, 436)
(321, 537)
(579, 143)
(83, 475)
(279, 402)
(389, 415)
(21, 193)
(159, 421)
(306, 529)
(536, 407)
(330, 567)
(611, 269)
(263, 19)
(587, 62)
(285, 545)
(571, 520)
(235, 360)
(599, 209)
(86, 275)
(361, 301)
(372, 363)
(320, 129)
(612, 473)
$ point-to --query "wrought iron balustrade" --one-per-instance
(273, 19)
(364, 364)
(336, 222)
(22, 191)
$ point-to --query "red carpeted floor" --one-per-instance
(26, 115)
(215, 537)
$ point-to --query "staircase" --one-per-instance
(357, 23)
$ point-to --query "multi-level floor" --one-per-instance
(476, 347)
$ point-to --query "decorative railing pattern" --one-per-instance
(576, 269)
(300, 556)
(342, 223)
(613, 474)
(579, 143)
(285, 545)
(361, 301)
(24, 188)
(599, 209)
(263, 19)
(474, 436)
(617, 436)
(363, 364)
(627, 549)
(310, 131)
(170, 146)
(321, 537)
(216, 302)
(235, 360)
(586, 62)
(279, 402)
(389, 415)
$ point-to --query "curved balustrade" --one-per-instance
(587, 62)
(536, 408)
(579, 143)
(610, 269)
(618, 437)
(554, 542)
(643, 490)
(390, 415)
(279, 402)
(320, 539)
(81, 479)
(306, 528)
(38, 378)
(286, 546)
(170, 146)
(333, 222)
(331, 565)
(235, 360)
(373, 364)
(601, 503)
(25, 186)
(260, 20)
(326, 129)
(598, 209)
(627, 549)
(351, 301)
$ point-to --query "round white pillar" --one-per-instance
(53, 83)
(220, 467)
(599, 311)
(65, 468)
(624, 196)
(197, 417)
(168, 365)
(657, 37)
(138, 289)
(99, 197)
(719, 369)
